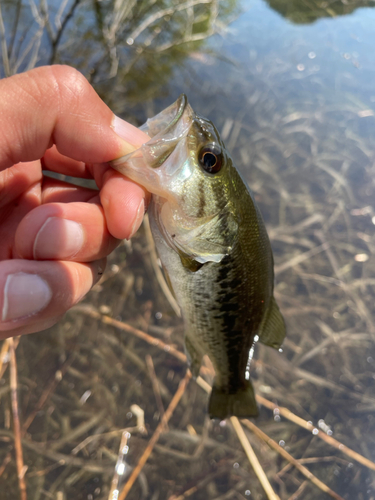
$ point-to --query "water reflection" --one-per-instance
(308, 12)
(295, 106)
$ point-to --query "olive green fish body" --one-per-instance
(214, 247)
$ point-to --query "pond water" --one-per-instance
(290, 86)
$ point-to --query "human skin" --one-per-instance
(54, 236)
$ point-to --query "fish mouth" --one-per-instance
(165, 130)
(168, 132)
(165, 122)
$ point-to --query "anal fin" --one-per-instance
(272, 329)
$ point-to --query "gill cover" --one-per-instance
(182, 153)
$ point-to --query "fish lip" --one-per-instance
(161, 135)
(148, 164)
(181, 103)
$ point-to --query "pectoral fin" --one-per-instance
(272, 329)
(189, 262)
(209, 241)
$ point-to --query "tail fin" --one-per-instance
(241, 404)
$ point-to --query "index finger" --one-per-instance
(57, 105)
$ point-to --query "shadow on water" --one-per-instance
(295, 106)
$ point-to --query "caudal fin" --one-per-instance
(241, 404)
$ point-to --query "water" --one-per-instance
(296, 106)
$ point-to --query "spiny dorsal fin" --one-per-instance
(272, 329)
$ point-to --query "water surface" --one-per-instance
(291, 91)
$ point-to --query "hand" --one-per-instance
(55, 236)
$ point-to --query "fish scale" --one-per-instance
(214, 248)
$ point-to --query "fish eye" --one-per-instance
(210, 158)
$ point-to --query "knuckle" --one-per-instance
(70, 84)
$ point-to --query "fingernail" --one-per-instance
(58, 239)
(138, 218)
(132, 137)
(24, 295)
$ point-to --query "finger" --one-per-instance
(55, 191)
(124, 204)
(64, 231)
(57, 105)
(34, 295)
(12, 214)
(15, 181)
(54, 161)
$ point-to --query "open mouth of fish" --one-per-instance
(167, 130)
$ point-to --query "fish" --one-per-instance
(214, 249)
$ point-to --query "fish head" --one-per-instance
(191, 177)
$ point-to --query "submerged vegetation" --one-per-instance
(84, 404)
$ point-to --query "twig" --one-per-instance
(203, 384)
(16, 421)
(45, 395)
(56, 39)
(98, 467)
(4, 48)
(89, 311)
(78, 431)
(3, 356)
(6, 461)
(14, 31)
(34, 55)
(253, 459)
(301, 257)
(43, 398)
(162, 13)
(291, 459)
(120, 465)
(44, 472)
(155, 385)
(93, 313)
(140, 418)
(313, 460)
(121, 12)
(322, 435)
(207, 478)
(59, 13)
(46, 21)
(167, 415)
(298, 492)
(105, 435)
(317, 380)
(361, 307)
(33, 46)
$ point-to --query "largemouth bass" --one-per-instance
(214, 247)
